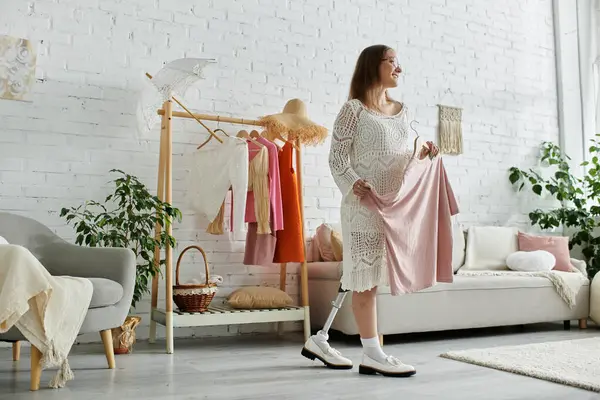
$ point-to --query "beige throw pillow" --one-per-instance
(259, 297)
(488, 247)
(337, 246)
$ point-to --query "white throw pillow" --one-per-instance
(458, 247)
(488, 247)
(3, 241)
(531, 261)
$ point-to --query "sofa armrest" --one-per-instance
(116, 264)
(580, 265)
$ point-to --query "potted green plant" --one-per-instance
(127, 218)
(578, 199)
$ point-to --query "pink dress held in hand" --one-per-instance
(418, 227)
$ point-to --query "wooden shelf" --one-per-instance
(224, 315)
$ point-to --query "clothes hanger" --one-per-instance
(413, 128)
(276, 135)
(221, 130)
(254, 134)
(416, 140)
(245, 135)
(265, 135)
(292, 142)
(211, 136)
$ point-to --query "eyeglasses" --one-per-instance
(394, 61)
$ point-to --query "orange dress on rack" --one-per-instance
(290, 246)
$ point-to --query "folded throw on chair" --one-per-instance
(48, 310)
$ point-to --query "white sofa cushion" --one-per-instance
(3, 241)
(531, 261)
(488, 247)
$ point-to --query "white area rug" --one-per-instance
(570, 362)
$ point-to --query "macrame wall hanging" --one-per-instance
(450, 129)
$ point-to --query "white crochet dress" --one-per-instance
(375, 147)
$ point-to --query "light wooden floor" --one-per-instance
(267, 367)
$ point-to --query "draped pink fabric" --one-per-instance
(418, 227)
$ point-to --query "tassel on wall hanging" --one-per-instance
(450, 129)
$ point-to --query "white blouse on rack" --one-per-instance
(215, 169)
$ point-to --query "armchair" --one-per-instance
(111, 271)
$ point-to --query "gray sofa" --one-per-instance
(111, 271)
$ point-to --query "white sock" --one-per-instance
(372, 348)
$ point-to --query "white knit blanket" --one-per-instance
(48, 310)
(567, 284)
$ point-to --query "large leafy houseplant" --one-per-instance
(127, 218)
(578, 197)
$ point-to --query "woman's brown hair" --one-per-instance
(366, 72)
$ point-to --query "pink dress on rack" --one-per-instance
(260, 248)
(418, 227)
(274, 188)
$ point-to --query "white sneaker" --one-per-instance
(390, 367)
(328, 355)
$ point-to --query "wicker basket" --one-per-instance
(193, 298)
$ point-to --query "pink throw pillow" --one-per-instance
(558, 246)
(323, 241)
(312, 253)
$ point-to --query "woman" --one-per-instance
(370, 149)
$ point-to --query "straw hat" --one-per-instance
(293, 122)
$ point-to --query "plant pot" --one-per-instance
(124, 336)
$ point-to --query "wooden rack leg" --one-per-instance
(303, 268)
(169, 250)
(161, 195)
(305, 304)
(282, 286)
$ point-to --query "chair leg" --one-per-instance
(16, 351)
(108, 347)
(583, 323)
(36, 368)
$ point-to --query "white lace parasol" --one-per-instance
(175, 77)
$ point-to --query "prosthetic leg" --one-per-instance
(316, 347)
(337, 304)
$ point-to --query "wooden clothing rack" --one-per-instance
(218, 314)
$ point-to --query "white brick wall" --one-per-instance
(497, 58)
